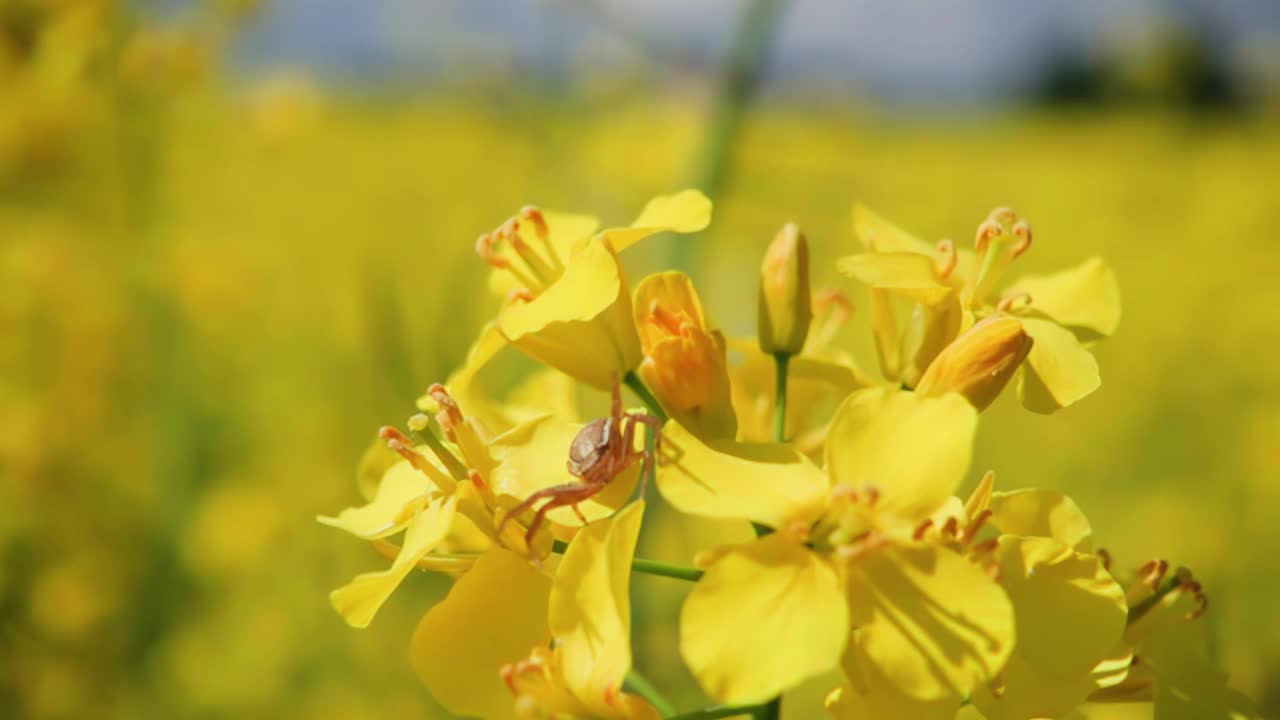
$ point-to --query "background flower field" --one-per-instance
(212, 295)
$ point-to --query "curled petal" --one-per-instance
(1058, 370)
(684, 212)
(1034, 512)
(1084, 298)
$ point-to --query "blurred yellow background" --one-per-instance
(213, 293)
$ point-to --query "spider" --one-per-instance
(601, 451)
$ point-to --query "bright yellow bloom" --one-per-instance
(571, 307)
(589, 617)
(684, 359)
(1070, 612)
(950, 289)
(842, 576)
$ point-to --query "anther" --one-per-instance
(535, 218)
(484, 248)
(1105, 558)
(1004, 215)
(947, 258)
(924, 528)
(1008, 301)
(665, 318)
(986, 231)
(400, 444)
(477, 479)
(450, 415)
(1022, 231)
(975, 524)
(419, 422)
(950, 528)
(873, 495)
(1188, 582)
(1152, 572)
(986, 546)
(519, 295)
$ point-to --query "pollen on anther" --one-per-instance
(1022, 231)
(947, 258)
(987, 230)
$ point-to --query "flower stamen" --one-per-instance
(945, 264)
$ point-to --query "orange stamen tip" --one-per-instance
(520, 295)
(1008, 301)
(832, 299)
(535, 216)
(1105, 558)
(1022, 231)
(873, 495)
(987, 546)
(920, 531)
(665, 318)
(1003, 214)
(951, 528)
(987, 230)
(947, 259)
(1153, 571)
(476, 479)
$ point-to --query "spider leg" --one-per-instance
(616, 408)
(628, 442)
(578, 512)
(567, 495)
(528, 503)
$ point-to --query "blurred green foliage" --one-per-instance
(209, 300)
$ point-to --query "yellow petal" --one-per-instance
(402, 492)
(359, 600)
(903, 274)
(1058, 370)
(1070, 616)
(767, 483)
(880, 235)
(590, 611)
(766, 616)
(492, 616)
(914, 450)
(532, 457)
(934, 624)
(684, 212)
(1086, 297)
(869, 696)
(582, 324)
(1041, 513)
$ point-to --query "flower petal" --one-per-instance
(765, 482)
(492, 616)
(359, 600)
(932, 622)
(401, 493)
(590, 610)
(879, 235)
(1070, 616)
(582, 324)
(913, 450)
(1058, 370)
(1086, 297)
(765, 617)
(904, 274)
(1034, 512)
(684, 212)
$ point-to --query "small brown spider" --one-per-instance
(601, 451)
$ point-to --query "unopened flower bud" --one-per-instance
(785, 310)
(979, 363)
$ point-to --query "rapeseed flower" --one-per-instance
(949, 290)
(842, 580)
(566, 290)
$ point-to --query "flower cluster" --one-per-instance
(865, 559)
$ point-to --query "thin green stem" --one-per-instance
(654, 567)
(640, 685)
(721, 711)
(637, 386)
(781, 362)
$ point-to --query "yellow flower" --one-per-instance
(950, 289)
(589, 617)
(571, 307)
(841, 580)
(684, 359)
(1070, 612)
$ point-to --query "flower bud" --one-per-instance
(980, 362)
(784, 309)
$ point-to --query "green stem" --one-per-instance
(640, 685)
(654, 567)
(637, 386)
(781, 362)
(721, 711)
